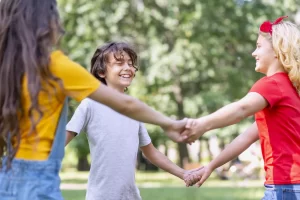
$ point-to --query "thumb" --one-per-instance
(203, 178)
(182, 123)
(189, 123)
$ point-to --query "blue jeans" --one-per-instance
(31, 180)
(282, 192)
(36, 180)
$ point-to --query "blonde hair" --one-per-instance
(286, 44)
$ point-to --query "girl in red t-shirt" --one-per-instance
(275, 102)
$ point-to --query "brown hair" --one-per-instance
(100, 57)
(28, 31)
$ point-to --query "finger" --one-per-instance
(189, 180)
(203, 178)
(190, 139)
(189, 123)
(187, 138)
(182, 123)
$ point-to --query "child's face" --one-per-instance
(264, 55)
(119, 73)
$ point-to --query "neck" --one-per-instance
(276, 68)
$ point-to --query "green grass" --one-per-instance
(205, 193)
(162, 186)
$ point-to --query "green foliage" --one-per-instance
(195, 56)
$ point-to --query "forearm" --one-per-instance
(129, 106)
(236, 147)
(236, 111)
(161, 161)
(228, 115)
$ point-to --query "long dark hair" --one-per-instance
(28, 31)
(100, 57)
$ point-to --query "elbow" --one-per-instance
(243, 111)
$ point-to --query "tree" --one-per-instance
(195, 56)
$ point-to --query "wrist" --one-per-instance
(181, 173)
(206, 120)
(167, 123)
(211, 167)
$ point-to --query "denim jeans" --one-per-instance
(36, 180)
(282, 192)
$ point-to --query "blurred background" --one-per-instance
(194, 57)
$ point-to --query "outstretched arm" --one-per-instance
(161, 161)
(228, 115)
(235, 148)
(138, 110)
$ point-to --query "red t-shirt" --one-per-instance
(279, 129)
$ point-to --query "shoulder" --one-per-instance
(62, 65)
(266, 83)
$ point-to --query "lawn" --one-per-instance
(162, 186)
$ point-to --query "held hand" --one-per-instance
(194, 129)
(190, 177)
(199, 177)
(174, 130)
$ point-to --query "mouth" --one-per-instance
(127, 76)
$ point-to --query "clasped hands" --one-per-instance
(197, 176)
(186, 130)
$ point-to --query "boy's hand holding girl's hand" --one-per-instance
(198, 176)
(174, 129)
(185, 130)
(194, 129)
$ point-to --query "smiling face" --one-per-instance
(120, 71)
(264, 55)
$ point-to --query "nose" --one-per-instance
(254, 53)
(126, 66)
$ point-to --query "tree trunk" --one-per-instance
(200, 150)
(182, 148)
(208, 149)
(83, 164)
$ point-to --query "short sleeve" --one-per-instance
(80, 118)
(144, 138)
(77, 81)
(268, 88)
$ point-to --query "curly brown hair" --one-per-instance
(100, 58)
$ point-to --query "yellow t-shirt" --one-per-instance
(77, 83)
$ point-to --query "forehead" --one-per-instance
(262, 40)
(123, 55)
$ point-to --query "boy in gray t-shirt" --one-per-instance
(113, 138)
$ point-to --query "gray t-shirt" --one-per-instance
(114, 140)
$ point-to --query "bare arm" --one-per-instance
(161, 161)
(69, 137)
(235, 148)
(138, 110)
(235, 112)
(129, 106)
(228, 115)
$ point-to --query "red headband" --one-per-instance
(266, 27)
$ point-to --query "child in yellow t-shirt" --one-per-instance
(34, 85)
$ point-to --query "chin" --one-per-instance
(126, 85)
(258, 69)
